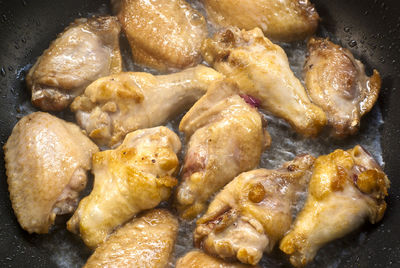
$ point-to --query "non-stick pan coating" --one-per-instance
(369, 28)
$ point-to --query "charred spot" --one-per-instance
(292, 167)
(228, 37)
(153, 161)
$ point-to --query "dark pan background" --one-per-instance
(369, 28)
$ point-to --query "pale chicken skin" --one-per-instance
(87, 50)
(253, 211)
(262, 70)
(280, 20)
(115, 105)
(346, 189)
(198, 259)
(225, 137)
(164, 35)
(145, 242)
(337, 83)
(46, 162)
(134, 177)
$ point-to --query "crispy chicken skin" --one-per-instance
(115, 105)
(87, 49)
(198, 259)
(46, 161)
(134, 177)
(280, 20)
(337, 83)
(253, 211)
(164, 34)
(145, 242)
(346, 188)
(225, 137)
(262, 70)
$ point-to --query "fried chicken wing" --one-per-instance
(198, 259)
(46, 161)
(88, 49)
(281, 20)
(115, 105)
(262, 70)
(163, 34)
(337, 83)
(226, 137)
(145, 242)
(134, 177)
(253, 211)
(346, 188)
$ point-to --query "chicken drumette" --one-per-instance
(226, 137)
(262, 70)
(115, 105)
(163, 34)
(281, 20)
(145, 242)
(46, 161)
(134, 177)
(346, 188)
(253, 211)
(88, 49)
(337, 83)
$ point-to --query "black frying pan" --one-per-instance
(369, 28)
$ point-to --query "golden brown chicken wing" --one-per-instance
(346, 188)
(253, 211)
(134, 177)
(163, 34)
(198, 259)
(262, 70)
(88, 49)
(115, 105)
(46, 161)
(226, 137)
(145, 242)
(337, 83)
(281, 20)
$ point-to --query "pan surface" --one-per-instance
(369, 28)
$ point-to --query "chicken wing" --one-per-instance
(337, 83)
(198, 259)
(134, 177)
(88, 49)
(346, 188)
(253, 211)
(145, 242)
(46, 161)
(163, 34)
(262, 70)
(226, 138)
(115, 105)
(280, 20)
